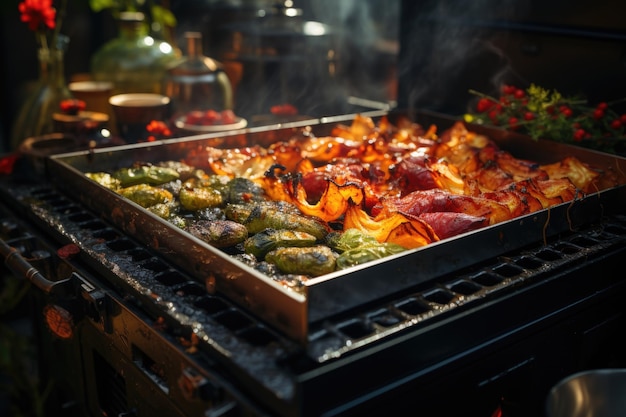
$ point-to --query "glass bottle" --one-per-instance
(133, 61)
(35, 116)
(196, 82)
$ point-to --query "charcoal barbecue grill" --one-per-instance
(128, 324)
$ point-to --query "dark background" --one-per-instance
(420, 54)
(577, 47)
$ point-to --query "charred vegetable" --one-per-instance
(258, 217)
(218, 233)
(105, 179)
(146, 195)
(184, 170)
(145, 174)
(269, 239)
(357, 247)
(199, 198)
(242, 190)
(350, 239)
(314, 261)
(163, 210)
(367, 253)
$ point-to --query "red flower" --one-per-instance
(157, 128)
(8, 162)
(37, 13)
(72, 106)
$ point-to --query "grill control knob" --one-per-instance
(59, 320)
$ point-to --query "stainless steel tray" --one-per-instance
(292, 312)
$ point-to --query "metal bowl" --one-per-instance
(595, 393)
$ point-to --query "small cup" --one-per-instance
(134, 111)
(95, 94)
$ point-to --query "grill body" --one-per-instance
(496, 334)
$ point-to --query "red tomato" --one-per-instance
(228, 117)
(194, 117)
(212, 117)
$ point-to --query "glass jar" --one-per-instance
(196, 82)
(35, 115)
(133, 61)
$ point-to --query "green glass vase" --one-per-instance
(133, 61)
(35, 117)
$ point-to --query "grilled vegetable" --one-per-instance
(184, 170)
(145, 174)
(199, 198)
(162, 210)
(314, 261)
(242, 190)
(357, 247)
(146, 195)
(218, 233)
(105, 179)
(367, 253)
(350, 239)
(269, 239)
(258, 217)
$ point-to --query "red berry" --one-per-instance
(484, 104)
(622, 118)
(513, 123)
(509, 89)
(602, 106)
(598, 114)
(519, 93)
(616, 124)
(579, 135)
(529, 115)
(566, 111)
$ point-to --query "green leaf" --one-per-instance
(99, 5)
(163, 16)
